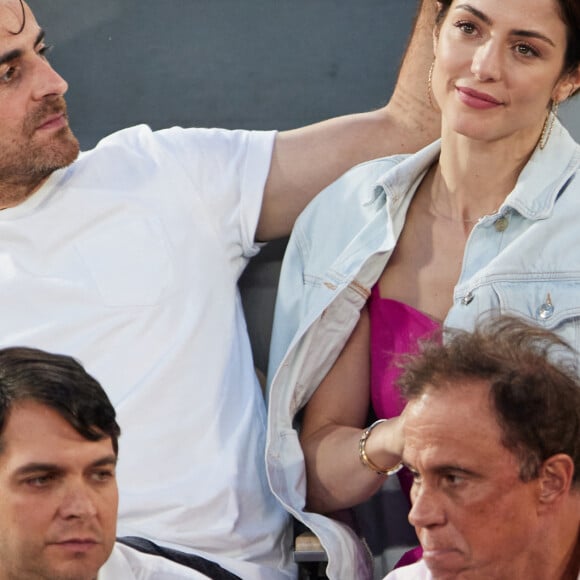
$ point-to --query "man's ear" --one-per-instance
(555, 480)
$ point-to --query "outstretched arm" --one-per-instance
(332, 426)
(306, 160)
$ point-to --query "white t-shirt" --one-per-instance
(129, 261)
(416, 571)
(125, 563)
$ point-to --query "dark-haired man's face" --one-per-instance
(473, 515)
(58, 498)
(35, 138)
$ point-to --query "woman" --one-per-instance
(487, 219)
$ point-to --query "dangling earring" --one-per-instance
(548, 125)
(430, 86)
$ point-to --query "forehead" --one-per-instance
(518, 14)
(37, 433)
(11, 22)
(454, 425)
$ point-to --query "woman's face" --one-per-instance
(498, 64)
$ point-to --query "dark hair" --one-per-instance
(570, 14)
(536, 399)
(61, 383)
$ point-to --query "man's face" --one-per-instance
(58, 498)
(35, 138)
(473, 515)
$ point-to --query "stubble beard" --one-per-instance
(25, 162)
(46, 158)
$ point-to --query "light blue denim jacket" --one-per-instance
(525, 259)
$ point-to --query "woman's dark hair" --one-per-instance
(570, 14)
(60, 383)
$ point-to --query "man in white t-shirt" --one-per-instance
(58, 491)
(128, 257)
(491, 433)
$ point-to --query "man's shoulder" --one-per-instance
(143, 133)
(130, 564)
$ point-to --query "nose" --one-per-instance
(486, 64)
(47, 81)
(427, 508)
(77, 502)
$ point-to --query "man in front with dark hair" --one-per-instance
(58, 491)
(492, 437)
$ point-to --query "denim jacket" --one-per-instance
(525, 260)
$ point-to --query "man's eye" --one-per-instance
(416, 476)
(453, 479)
(8, 74)
(103, 475)
(40, 480)
(45, 50)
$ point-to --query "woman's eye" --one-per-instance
(466, 27)
(526, 50)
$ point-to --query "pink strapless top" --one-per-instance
(395, 330)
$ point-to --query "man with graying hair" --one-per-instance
(58, 490)
(127, 257)
(492, 438)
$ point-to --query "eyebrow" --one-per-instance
(17, 53)
(38, 467)
(445, 469)
(516, 32)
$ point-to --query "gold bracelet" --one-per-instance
(364, 458)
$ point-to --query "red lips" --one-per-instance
(477, 99)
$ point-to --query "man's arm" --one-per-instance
(306, 160)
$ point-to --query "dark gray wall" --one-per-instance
(228, 63)
(253, 64)
(570, 115)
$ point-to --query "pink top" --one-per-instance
(395, 330)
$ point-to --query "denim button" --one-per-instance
(467, 299)
(501, 224)
(546, 309)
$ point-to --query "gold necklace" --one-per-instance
(433, 211)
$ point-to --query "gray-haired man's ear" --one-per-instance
(555, 479)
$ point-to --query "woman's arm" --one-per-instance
(332, 426)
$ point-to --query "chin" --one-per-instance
(476, 128)
(447, 564)
(78, 569)
(58, 154)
